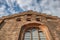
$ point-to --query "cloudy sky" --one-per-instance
(9, 7)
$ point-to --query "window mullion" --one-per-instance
(31, 34)
(38, 34)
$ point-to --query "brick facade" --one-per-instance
(11, 26)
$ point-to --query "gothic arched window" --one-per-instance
(34, 34)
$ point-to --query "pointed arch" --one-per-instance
(41, 27)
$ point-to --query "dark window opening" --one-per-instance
(28, 19)
(18, 19)
(37, 19)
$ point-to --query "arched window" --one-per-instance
(34, 34)
(27, 35)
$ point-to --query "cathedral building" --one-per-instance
(30, 25)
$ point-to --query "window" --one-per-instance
(42, 36)
(28, 19)
(27, 35)
(37, 19)
(34, 34)
(18, 19)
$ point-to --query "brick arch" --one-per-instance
(44, 28)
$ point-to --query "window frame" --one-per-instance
(38, 30)
(40, 26)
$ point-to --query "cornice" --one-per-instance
(28, 12)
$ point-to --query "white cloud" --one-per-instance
(46, 6)
(2, 8)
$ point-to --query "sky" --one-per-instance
(10, 7)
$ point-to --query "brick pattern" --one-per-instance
(10, 27)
